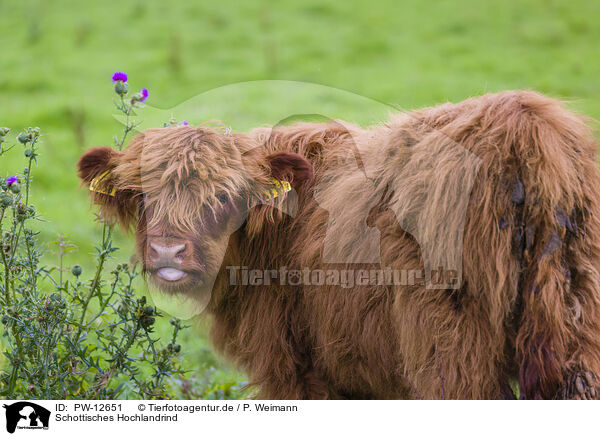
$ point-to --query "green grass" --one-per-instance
(56, 59)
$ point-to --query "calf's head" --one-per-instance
(184, 191)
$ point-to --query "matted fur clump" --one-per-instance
(501, 190)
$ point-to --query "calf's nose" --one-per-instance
(168, 254)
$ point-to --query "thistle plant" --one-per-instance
(75, 335)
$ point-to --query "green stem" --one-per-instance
(28, 180)
(113, 291)
(126, 109)
(6, 266)
(103, 255)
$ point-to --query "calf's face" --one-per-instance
(184, 191)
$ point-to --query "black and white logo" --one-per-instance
(26, 415)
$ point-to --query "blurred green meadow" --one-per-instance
(56, 59)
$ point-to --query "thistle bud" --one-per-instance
(28, 152)
(15, 188)
(4, 131)
(140, 97)
(121, 88)
(24, 138)
(21, 212)
(147, 321)
(149, 310)
(76, 270)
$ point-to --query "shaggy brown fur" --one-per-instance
(528, 305)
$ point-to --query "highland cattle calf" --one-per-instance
(316, 247)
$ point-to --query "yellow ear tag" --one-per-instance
(277, 187)
(96, 185)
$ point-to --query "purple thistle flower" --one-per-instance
(10, 180)
(144, 93)
(185, 123)
(119, 76)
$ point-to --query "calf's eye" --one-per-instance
(223, 198)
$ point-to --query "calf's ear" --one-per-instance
(96, 161)
(291, 167)
(95, 171)
(283, 167)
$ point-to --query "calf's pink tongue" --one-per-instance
(170, 274)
